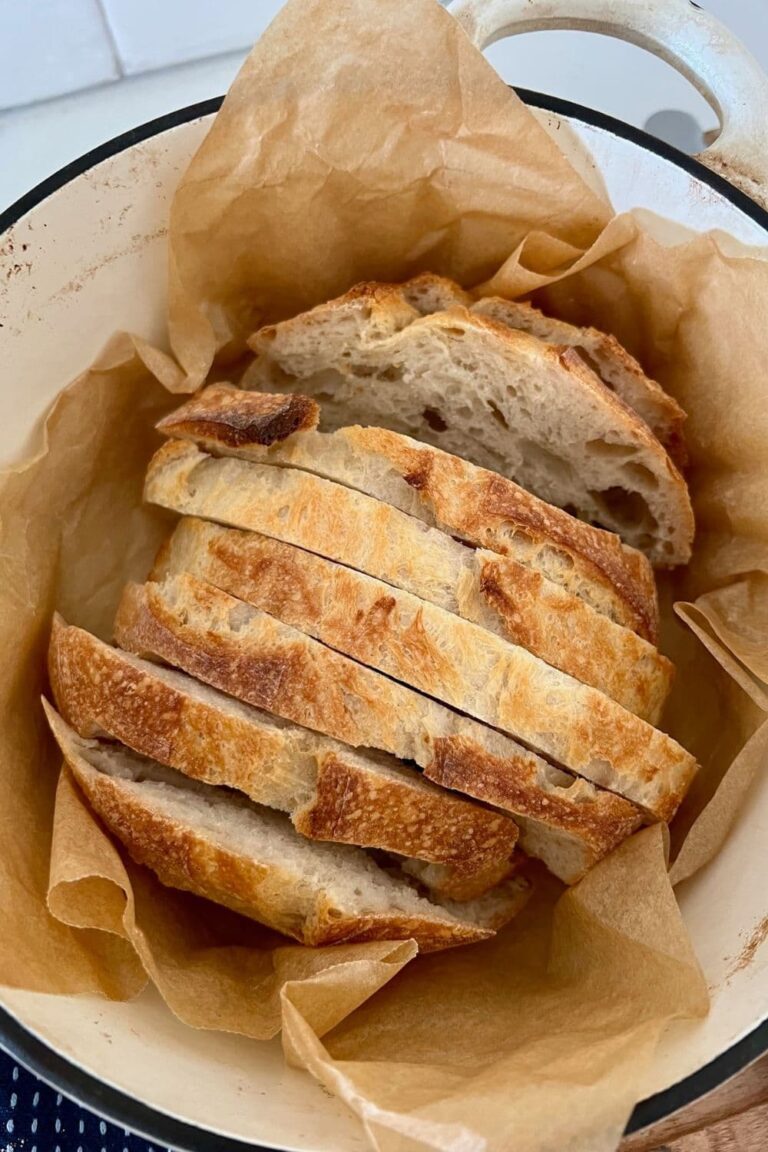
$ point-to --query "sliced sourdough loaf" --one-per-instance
(225, 848)
(492, 394)
(441, 655)
(471, 503)
(259, 659)
(567, 823)
(331, 791)
(361, 532)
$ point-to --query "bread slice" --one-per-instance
(475, 505)
(330, 791)
(619, 371)
(351, 528)
(455, 662)
(496, 396)
(223, 847)
(392, 631)
(567, 823)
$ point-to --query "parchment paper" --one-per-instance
(360, 141)
(363, 139)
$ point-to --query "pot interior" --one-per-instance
(90, 254)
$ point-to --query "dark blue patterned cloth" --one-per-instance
(34, 1118)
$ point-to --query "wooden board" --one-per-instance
(734, 1118)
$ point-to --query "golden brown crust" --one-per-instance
(353, 807)
(579, 370)
(97, 689)
(457, 886)
(449, 883)
(429, 292)
(252, 656)
(479, 506)
(394, 298)
(430, 935)
(145, 625)
(602, 823)
(280, 673)
(575, 639)
(487, 509)
(179, 857)
(427, 647)
(608, 351)
(352, 613)
(216, 414)
(401, 638)
(359, 532)
(183, 858)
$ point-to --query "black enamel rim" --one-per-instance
(117, 1106)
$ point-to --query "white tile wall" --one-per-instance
(52, 46)
(48, 47)
(748, 19)
(155, 33)
(41, 138)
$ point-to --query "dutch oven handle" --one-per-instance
(681, 33)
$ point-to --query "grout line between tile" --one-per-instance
(111, 38)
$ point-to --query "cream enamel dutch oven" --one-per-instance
(84, 252)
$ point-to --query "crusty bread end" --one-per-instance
(228, 850)
(332, 792)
